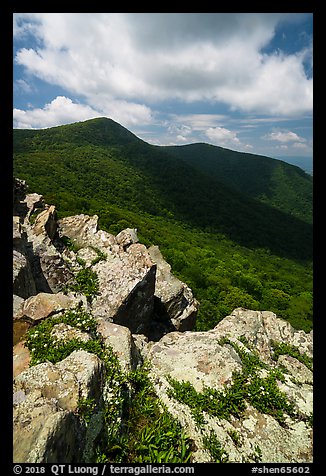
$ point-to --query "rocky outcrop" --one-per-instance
(257, 406)
(245, 385)
(136, 288)
(46, 223)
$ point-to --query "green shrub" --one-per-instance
(86, 283)
(212, 444)
(281, 348)
(150, 433)
(43, 347)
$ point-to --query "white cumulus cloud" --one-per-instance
(222, 136)
(59, 111)
(145, 58)
(63, 110)
(284, 136)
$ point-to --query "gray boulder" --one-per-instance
(127, 283)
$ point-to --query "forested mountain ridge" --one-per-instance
(275, 182)
(99, 159)
(230, 248)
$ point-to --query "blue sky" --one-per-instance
(238, 80)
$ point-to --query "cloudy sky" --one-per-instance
(239, 80)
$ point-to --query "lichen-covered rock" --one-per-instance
(51, 382)
(88, 370)
(79, 228)
(261, 328)
(196, 357)
(126, 276)
(44, 433)
(46, 427)
(212, 359)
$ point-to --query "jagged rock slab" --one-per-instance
(38, 265)
(46, 223)
(127, 286)
(176, 300)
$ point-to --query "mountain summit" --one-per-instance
(99, 161)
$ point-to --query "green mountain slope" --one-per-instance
(283, 186)
(101, 160)
(229, 247)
